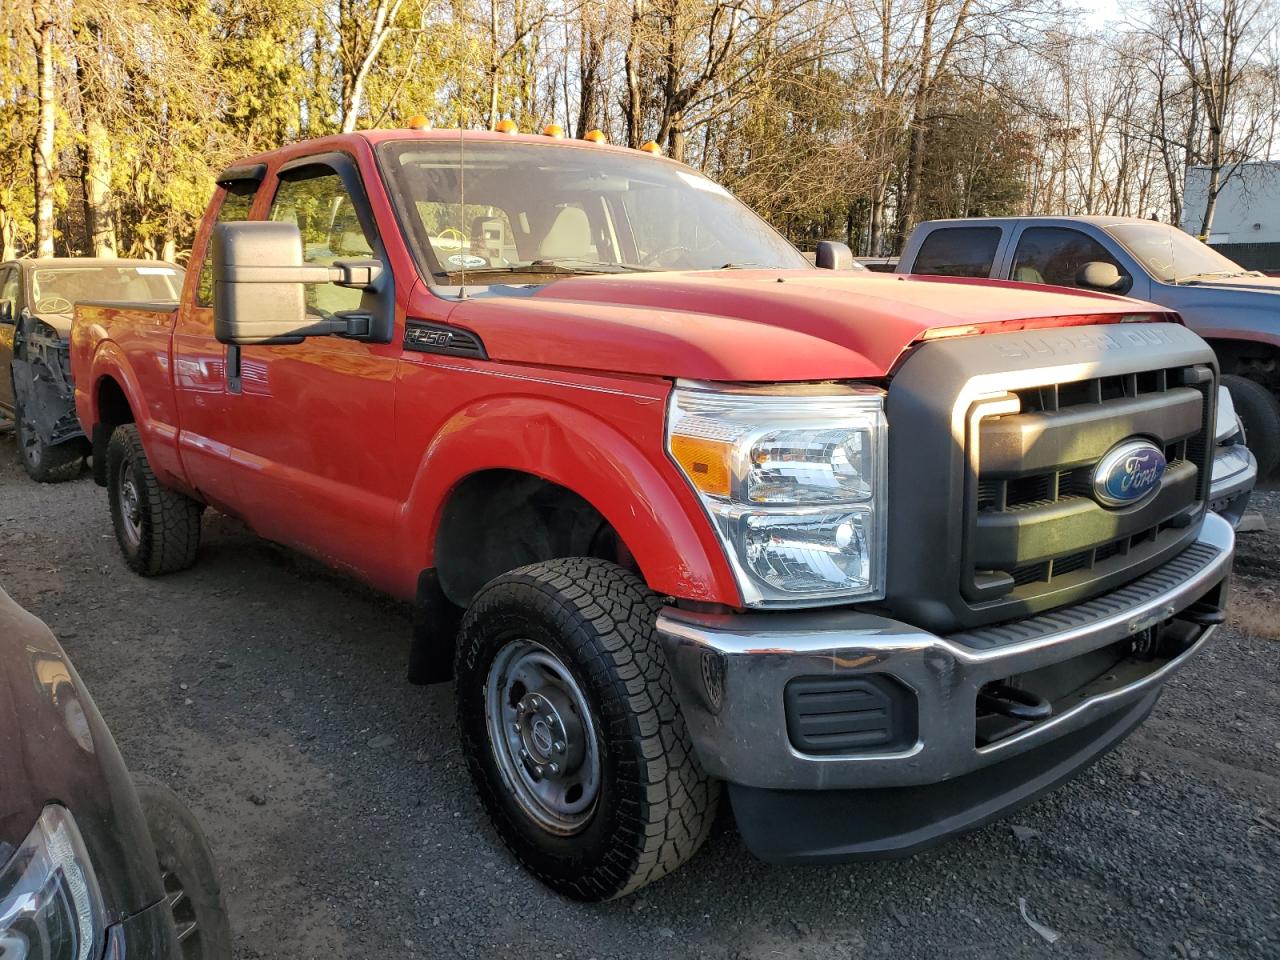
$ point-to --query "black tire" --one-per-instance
(655, 805)
(1259, 411)
(45, 463)
(158, 529)
(188, 872)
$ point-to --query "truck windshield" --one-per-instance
(57, 289)
(1171, 255)
(532, 212)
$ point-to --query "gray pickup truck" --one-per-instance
(1236, 310)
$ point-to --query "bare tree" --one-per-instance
(41, 30)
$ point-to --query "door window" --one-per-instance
(237, 200)
(958, 252)
(331, 230)
(9, 292)
(1056, 255)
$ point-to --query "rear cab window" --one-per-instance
(237, 201)
(958, 252)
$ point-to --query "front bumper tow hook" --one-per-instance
(1010, 701)
(1204, 614)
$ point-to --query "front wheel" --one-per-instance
(571, 730)
(1259, 411)
(192, 892)
(43, 462)
(158, 529)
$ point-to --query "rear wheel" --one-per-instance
(45, 463)
(192, 892)
(1259, 411)
(158, 529)
(571, 730)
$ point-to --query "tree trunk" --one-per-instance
(633, 106)
(99, 203)
(43, 159)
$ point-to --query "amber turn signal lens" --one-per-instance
(595, 136)
(506, 126)
(651, 147)
(418, 122)
(705, 463)
(553, 130)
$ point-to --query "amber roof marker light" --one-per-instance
(553, 130)
(506, 126)
(418, 121)
(651, 147)
(595, 136)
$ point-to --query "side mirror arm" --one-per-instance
(354, 274)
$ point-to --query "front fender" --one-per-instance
(633, 486)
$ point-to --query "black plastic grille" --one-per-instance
(850, 715)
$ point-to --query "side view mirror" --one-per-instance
(258, 286)
(833, 255)
(1099, 275)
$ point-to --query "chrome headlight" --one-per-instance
(794, 482)
(50, 904)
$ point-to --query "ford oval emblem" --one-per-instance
(1130, 472)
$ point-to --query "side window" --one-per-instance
(237, 199)
(1056, 255)
(9, 292)
(326, 216)
(958, 252)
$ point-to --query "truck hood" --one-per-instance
(1266, 287)
(762, 325)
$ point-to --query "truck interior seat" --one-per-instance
(569, 237)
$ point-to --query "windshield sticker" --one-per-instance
(156, 271)
(467, 260)
(702, 183)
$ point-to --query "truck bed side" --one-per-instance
(122, 362)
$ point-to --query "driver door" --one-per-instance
(310, 425)
(9, 307)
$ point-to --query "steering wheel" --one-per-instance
(54, 304)
(658, 257)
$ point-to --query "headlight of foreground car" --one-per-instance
(1228, 423)
(50, 904)
(794, 483)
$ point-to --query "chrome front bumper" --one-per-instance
(731, 672)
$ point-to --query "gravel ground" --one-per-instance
(269, 692)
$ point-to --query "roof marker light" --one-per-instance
(651, 147)
(418, 122)
(553, 130)
(595, 136)
(506, 126)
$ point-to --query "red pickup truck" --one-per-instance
(884, 556)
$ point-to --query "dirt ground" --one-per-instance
(270, 694)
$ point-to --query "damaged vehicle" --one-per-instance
(36, 300)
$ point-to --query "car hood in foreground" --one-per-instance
(55, 748)
(762, 325)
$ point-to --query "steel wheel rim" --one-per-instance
(185, 922)
(130, 503)
(542, 736)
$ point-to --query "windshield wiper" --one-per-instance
(557, 268)
(1209, 274)
(608, 266)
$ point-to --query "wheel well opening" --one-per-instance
(113, 405)
(497, 520)
(1251, 359)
